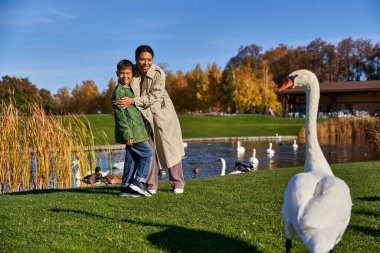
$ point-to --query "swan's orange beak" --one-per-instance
(287, 84)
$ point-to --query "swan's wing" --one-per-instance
(299, 191)
(330, 205)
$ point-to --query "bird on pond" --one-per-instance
(295, 145)
(253, 159)
(196, 171)
(240, 148)
(270, 151)
(223, 170)
(317, 205)
(243, 167)
(93, 178)
(161, 172)
(111, 179)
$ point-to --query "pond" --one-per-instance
(204, 155)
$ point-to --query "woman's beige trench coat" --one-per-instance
(156, 106)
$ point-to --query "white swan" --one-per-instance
(317, 205)
(253, 159)
(270, 150)
(240, 148)
(223, 172)
(295, 146)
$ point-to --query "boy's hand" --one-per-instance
(130, 142)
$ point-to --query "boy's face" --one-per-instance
(125, 76)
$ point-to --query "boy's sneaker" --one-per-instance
(141, 188)
(152, 191)
(126, 192)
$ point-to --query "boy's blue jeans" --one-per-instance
(138, 160)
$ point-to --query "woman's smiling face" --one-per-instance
(144, 62)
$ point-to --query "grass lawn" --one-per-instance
(216, 126)
(240, 213)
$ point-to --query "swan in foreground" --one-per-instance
(253, 159)
(295, 146)
(270, 150)
(239, 147)
(223, 172)
(317, 205)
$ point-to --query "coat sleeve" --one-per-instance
(155, 92)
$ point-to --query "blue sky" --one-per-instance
(62, 43)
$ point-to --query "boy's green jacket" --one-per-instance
(129, 123)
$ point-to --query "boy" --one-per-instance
(130, 130)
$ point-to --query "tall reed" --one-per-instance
(348, 129)
(37, 151)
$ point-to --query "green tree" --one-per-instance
(24, 91)
(48, 102)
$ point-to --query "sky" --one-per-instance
(58, 44)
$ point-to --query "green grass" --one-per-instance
(211, 126)
(240, 213)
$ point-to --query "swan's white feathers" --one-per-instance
(329, 206)
(317, 205)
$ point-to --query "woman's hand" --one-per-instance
(124, 102)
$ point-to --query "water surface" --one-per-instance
(204, 156)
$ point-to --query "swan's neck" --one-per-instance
(315, 160)
(223, 168)
(254, 153)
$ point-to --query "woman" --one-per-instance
(155, 104)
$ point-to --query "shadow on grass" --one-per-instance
(111, 190)
(180, 239)
(368, 213)
(374, 198)
(366, 230)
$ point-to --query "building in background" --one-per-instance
(336, 100)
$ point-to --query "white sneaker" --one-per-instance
(178, 191)
(153, 191)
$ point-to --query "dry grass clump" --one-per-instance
(376, 136)
(354, 128)
(37, 152)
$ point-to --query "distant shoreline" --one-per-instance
(212, 139)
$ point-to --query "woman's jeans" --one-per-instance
(138, 160)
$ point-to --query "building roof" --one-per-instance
(341, 87)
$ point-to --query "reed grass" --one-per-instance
(353, 128)
(37, 150)
(376, 136)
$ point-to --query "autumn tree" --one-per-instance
(373, 67)
(104, 99)
(63, 100)
(215, 88)
(195, 79)
(86, 97)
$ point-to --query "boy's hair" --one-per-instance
(143, 48)
(125, 64)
